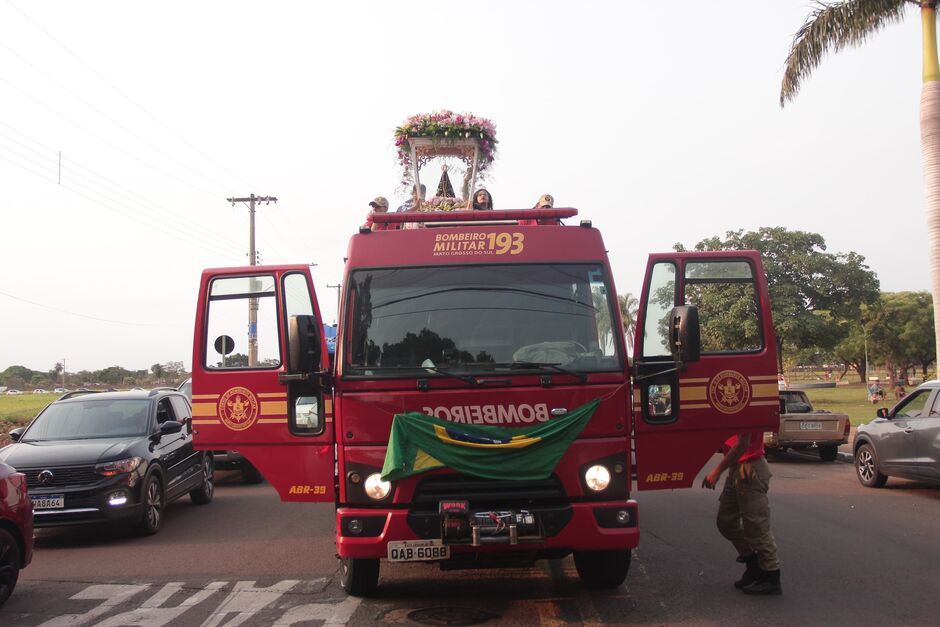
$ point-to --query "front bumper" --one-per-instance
(87, 505)
(587, 526)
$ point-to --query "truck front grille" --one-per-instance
(487, 492)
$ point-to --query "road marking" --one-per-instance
(332, 615)
(112, 595)
(245, 600)
(151, 614)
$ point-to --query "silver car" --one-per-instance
(903, 441)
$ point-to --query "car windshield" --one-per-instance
(89, 419)
(481, 318)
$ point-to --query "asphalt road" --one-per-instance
(849, 555)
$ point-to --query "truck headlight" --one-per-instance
(376, 488)
(597, 478)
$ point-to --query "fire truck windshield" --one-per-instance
(481, 318)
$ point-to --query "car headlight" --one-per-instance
(597, 478)
(119, 467)
(376, 488)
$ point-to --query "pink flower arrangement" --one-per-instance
(443, 124)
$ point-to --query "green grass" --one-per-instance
(849, 399)
(18, 410)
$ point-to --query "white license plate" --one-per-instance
(417, 551)
(50, 501)
(811, 426)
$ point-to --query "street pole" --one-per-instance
(337, 286)
(252, 260)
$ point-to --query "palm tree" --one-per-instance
(834, 26)
(628, 309)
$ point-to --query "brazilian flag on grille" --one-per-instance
(419, 443)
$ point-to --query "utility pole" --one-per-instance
(63, 372)
(337, 286)
(252, 260)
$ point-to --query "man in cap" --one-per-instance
(545, 201)
(379, 205)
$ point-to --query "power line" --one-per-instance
(80, 315)
(126, 97)
(205, 233)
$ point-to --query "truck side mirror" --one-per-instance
(882, 412)
(684, 337)
(304, 339)
(17, 433)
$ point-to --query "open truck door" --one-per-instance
(705, 364)
(261, 377)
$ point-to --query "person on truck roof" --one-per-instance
(545, 201)
(482, 200)
(418, 194)
(379, 205)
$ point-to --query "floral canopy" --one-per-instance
(464, 136)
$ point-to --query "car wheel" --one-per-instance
(203, 494)
(866, 467)
(9, 564)
(152, 514)
(828, 453)
(358, 577)
(602, 569)
(250, 474)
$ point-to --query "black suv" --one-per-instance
(111, 457)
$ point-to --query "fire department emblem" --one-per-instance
(729, 392)
(238, 409)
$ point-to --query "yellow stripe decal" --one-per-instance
(206, 422)
(695, 406)
(328, 405)
(765, 403)
(272, 395)
(204, 409)
(693, 394)
(766, 390)
(771, 377)
(274, 408)
(684, 381)
(205, 397)
(272, 421)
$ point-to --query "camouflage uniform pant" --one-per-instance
(744, 512)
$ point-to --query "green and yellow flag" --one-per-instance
(419, 443)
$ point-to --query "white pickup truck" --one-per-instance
(802, 427)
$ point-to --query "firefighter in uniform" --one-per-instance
(744, 511)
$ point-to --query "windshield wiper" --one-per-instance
(417, 372)
(463, 377)
(522, 365)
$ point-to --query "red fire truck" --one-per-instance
(477, 319)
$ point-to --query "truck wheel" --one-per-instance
(828, 452)
(9, 564)
(602, 569)
(358, 577)
(866, 467)
(250, 474)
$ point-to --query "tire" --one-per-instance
(152, 500)
(9, 564)
(829, 452)
(866, 467)
(250, 474)
(602, 569)
(358, 577)
(203, 494)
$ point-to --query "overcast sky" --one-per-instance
(659, 121)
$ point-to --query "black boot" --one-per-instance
(751, 573)
(768, 582)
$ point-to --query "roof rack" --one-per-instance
(497, 216)
(78, 393)
(163, 388)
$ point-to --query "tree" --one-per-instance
(157, 370)
(900, 330)
(832, 27)
(810, 289)
(628, 309)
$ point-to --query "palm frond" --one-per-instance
(832, 27)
